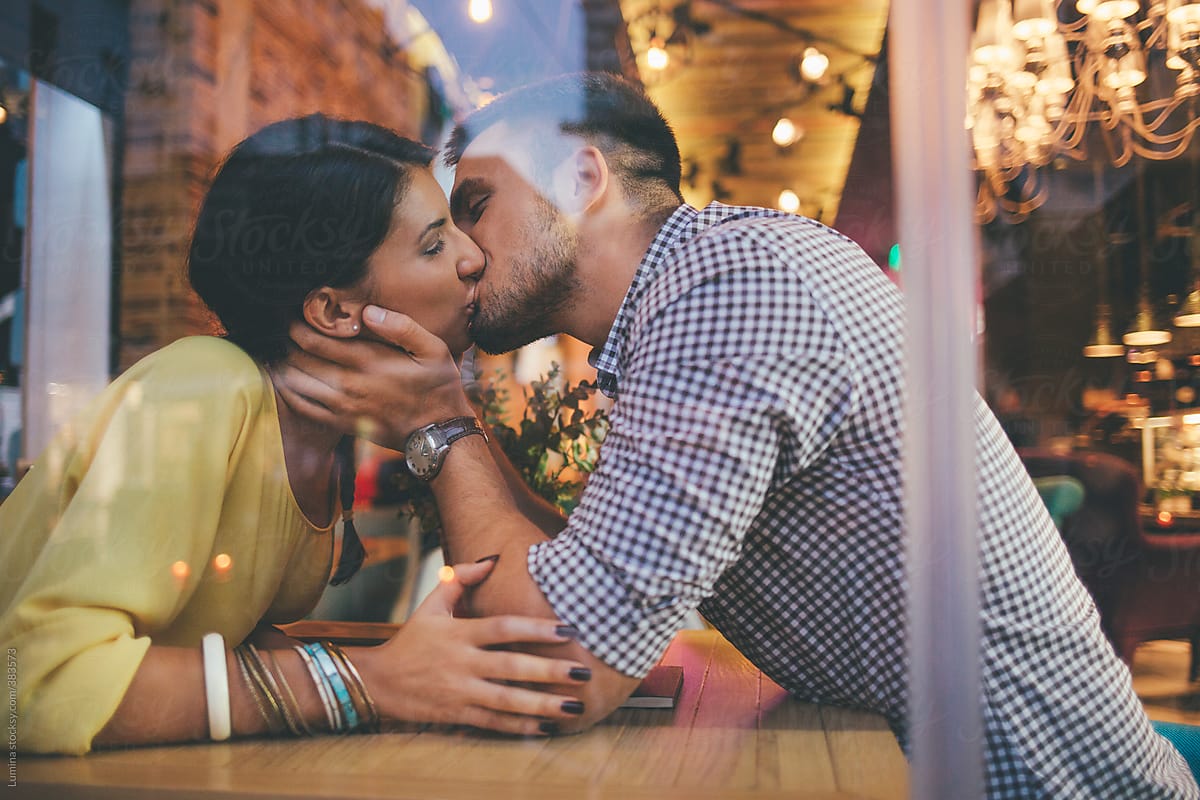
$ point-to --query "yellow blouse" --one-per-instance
(164, 513)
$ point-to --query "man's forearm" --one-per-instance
(534, 508)
(480, 518)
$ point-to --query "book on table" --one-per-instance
(659, 689)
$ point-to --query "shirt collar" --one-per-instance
(607, 358)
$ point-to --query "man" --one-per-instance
(753, 468)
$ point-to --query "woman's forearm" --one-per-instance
(166, 703)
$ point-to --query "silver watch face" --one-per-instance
(422, 452)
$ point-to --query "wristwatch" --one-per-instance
(426, 447)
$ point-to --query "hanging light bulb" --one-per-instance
(789, 201)
(657, 57)
(1102, 343)
(1143, 332)
(786, 133)
(813, 65)
(480, 10)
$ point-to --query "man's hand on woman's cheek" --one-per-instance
(382, 390)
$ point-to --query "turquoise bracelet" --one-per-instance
(336, 682)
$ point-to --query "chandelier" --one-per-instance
(1045, 73)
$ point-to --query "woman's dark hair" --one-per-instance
(299, 205)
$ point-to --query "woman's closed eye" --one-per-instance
(436, 248)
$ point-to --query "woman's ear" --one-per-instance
(581, 180)
(333, 312)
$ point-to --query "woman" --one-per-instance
(191, 501)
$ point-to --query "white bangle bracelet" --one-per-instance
(216, 686)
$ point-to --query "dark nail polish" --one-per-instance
(572, 707)
(496, 557)
(580, 674)
(567, 631)
(548, 727)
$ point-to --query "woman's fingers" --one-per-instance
(487, 719)
(502, 665)
(513, 630)
(451, 585)
(527, 702)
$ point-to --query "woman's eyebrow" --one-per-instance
(437, 223)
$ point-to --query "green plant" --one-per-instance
(554, 446)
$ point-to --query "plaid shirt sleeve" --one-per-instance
(732, 383)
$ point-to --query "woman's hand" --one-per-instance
(443, 669)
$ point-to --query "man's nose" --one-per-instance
(470, 261)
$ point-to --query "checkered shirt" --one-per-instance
(753, 471)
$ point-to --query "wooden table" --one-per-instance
(734, 734)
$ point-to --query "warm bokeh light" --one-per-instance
(813, 65)
(480, 10)
(180, 571)
(657, 56)
(3, 114)
(789, 201)
(1165, 518)
(222, 562)
(785, 133)
(446, 574)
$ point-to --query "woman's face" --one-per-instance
(426, 267)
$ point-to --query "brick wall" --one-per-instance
(203, 75)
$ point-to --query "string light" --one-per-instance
(813, 65)
(446, 574)
(789, 201)
(786, 133)
(480, 10)
(657, 57)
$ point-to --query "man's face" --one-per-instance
(529, 283)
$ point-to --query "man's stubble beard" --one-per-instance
(543, 285)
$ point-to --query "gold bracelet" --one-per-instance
(240, 656)
(272, 698)
(301, 723)
(255, 661)
(354, 678)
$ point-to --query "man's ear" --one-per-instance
(581, 181)
(333, 312)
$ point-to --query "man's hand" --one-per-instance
(381, 390)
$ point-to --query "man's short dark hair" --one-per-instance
(604, 110)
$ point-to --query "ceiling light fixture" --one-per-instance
(1038, 88)
(480, 10)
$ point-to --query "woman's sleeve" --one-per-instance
(139, 492)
